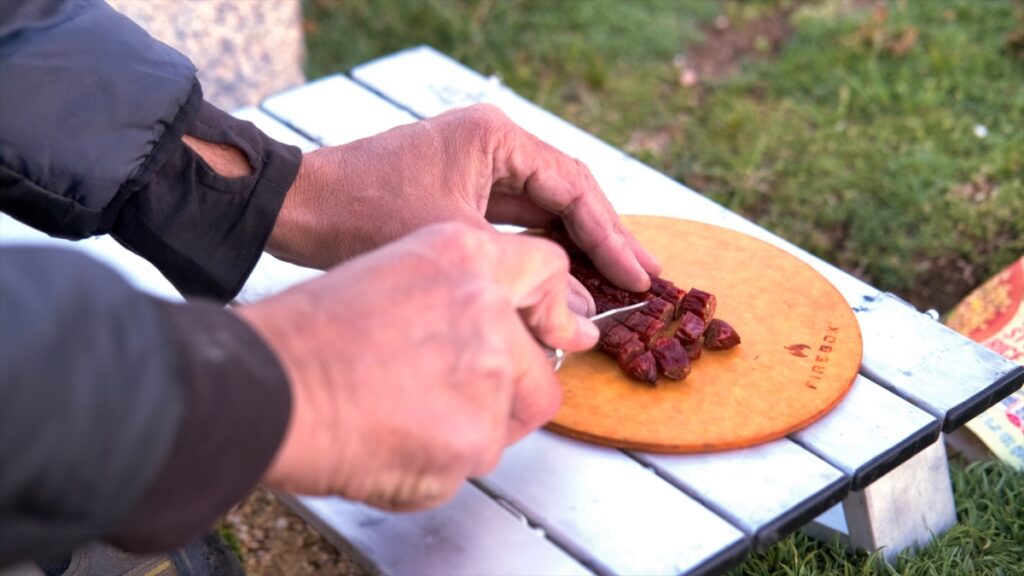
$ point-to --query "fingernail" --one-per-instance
(577, 304)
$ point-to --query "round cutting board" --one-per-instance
(800, 351)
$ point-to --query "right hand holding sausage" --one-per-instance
(413, 366)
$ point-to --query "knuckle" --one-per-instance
(482, 300)
(583, 169)
(457, 241)
(488, 123)
(486, 115)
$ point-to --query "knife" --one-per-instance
(604, 321)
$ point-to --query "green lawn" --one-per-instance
(858, 140)
(888, 142)
(987, 541)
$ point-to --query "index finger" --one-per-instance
(565, 186)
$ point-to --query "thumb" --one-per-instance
(535, 272)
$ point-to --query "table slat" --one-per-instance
(135, 269)
(869, 433)
(274, 128)
(335, 110)
(769, 490)
(471, 535)
(608, 510)
(931, 365)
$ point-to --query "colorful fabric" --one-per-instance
(993, 315)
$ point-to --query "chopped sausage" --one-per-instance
(659, 310)
(700, 303)
(674, 296)
(629, 350)
(643, 367)
(691, 328)
(660, 285)
(644, 326)
(719, 335)
(673, 363)
(615, 338)
(693, 350)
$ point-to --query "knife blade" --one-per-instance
(604, 321)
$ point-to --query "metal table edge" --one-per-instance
(726, 560)
(294, 503)
(888, 460)
(556, 539)
(351, 75)
(319, 143)
(796, 517)
(981, 401)
(696, 496)
(727, 557)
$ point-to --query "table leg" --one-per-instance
(904, 509)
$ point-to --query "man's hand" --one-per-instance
(413, 366)
(471, 165)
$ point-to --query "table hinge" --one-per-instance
(519, 515)
(931, 312)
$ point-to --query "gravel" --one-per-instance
(274, 541)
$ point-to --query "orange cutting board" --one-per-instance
(800, 351)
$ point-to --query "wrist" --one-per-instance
(303, 441)
(296, 222)
(224, 159)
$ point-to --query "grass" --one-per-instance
(868, 156)
(856, 141)
(987, 541)
(231, 539)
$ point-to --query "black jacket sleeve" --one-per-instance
(92, 110)
(123, 417)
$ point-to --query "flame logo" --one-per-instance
(798, 350)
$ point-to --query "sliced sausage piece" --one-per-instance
(690, 329)
(673, 363)
(700, 303)
(719, 335)
(659, 310)
(693, 350)
(628, 351)
(660, 285)
(644, 326)
(615, 338)
(674, 296)
(643, 368)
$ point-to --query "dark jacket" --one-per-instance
(124, 417)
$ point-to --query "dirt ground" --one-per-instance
(274, 541)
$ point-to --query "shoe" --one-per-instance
(209, 555)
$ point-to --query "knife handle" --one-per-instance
(556, 356)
